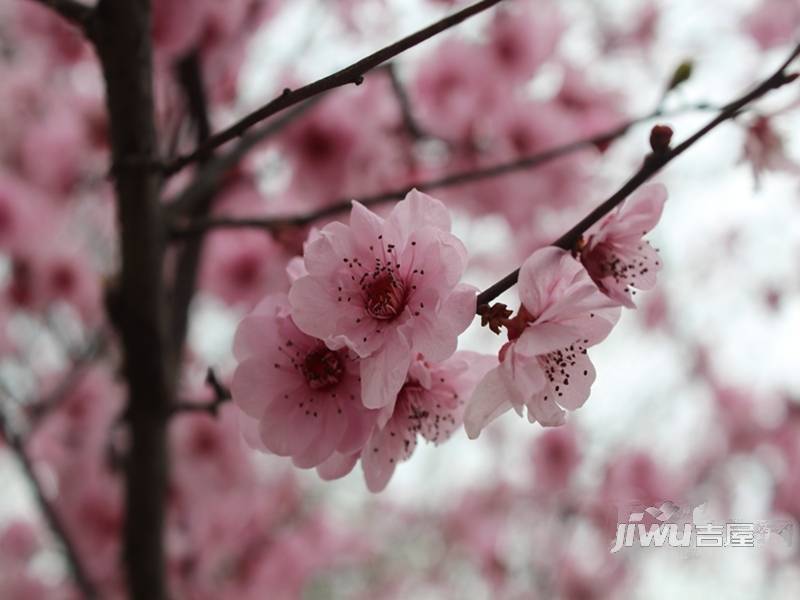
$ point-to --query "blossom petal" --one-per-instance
(380, 457)
(642, 211)
(286, 430)
(331, 430)
(256, 384)
(383, 373)
(337, 466)
(541, 338)
(312, 307)
(437, 338)
(417, 210)
(541, 273)
(489, 400)
(546, 412)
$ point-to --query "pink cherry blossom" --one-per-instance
(236, 266)
(594, 108)
(347, 145)
(177, 25)
(63, 43)
(616, 256)
(636, 475)
(320, 144)
(773, 22)
(24, 214)
(90, 503)
(786, 443)
(764, 149)
(529, 127)
(454, 85)
(544, 367)
(387, 289)
(57, 273)
(240, 267)
(209, 455)
(52, 152)
(18, 540)
(555, 455)
(430, 404)
(23, 584)
(77, 428)
(521, 40)
(304, 395)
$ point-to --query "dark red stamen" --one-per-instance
(322, 368)
(385, 297)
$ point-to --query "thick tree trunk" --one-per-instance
(120, 30)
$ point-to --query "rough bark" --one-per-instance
(120, 31)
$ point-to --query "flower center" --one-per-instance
(508, 51)
(385, 297)
(63, 279)
(318, 145)
(244, 270)
(322, 368)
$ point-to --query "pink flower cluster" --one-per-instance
(568, 306)
(360, 357)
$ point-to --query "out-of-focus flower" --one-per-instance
(594, 108)
(347, 146)
(453, 86)
(521, 40)
(773, 22)
(764, 149)
(555, 456)
(46, 275)
(241, 266)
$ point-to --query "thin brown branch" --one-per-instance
(210, 177)
(651, 165)
(190, 76)
(404, 103)
(184, 285)
(353, 74)
(51, 516)
(76, 13)
(222, 395)
(77, 370)
(459, 178)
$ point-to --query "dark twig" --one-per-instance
(209, 178)
(353, 74)
(221, 396)
(652, 165)
(80, 363)
(190, 75)
(406, 112)
(74, 12)
(78, 571)
(460, 178)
